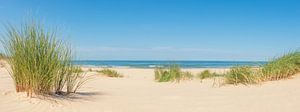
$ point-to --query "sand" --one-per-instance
(138, 92)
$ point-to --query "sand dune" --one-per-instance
(138, 92)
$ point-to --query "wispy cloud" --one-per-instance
(106, 49)
(152, 49)
(164, 53)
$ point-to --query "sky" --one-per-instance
(248, 30)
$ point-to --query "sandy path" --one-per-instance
(137, 92)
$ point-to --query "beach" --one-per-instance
(138, 92)
(149, 56)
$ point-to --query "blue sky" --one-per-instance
(167, 29)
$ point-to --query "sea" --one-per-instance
(155, 64)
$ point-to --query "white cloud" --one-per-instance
(156, 49)
(165, 53)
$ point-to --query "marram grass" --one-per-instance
(282, 67)
(75, 79)
(242, 75)
(172, 73)
(207, 74)
(39, 62)
(1, 56)
(77, 70)
(186, 75)
(110, 73)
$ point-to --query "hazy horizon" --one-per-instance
(166, 60)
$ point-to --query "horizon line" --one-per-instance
(165, 60)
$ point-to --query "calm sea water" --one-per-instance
(183, 64)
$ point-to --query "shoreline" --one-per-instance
(194, 71)
(157, 64)
(148, 68)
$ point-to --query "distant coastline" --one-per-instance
(162, 63)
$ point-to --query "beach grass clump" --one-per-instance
(242, 75)
(172, 73)
(77, 70)
(90, 70)
(2, 56)
(207, 74)
(282, 67)
(186, 75)
(39, 63)
(110, 73)
(75, 79)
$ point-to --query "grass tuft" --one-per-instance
(77, 70)
(172, 73)
(282, 67)
(75, 79)
(39, 63)
(207, 74)
(110, 73)
(242, 75)
(2, 56)
(90, 70)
